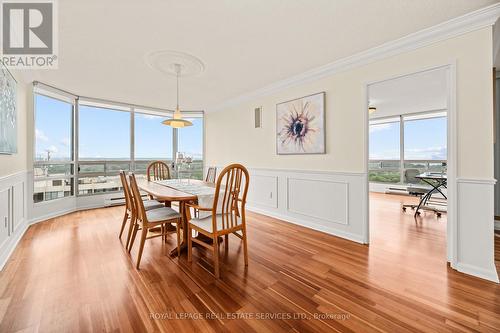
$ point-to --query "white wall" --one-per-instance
(230, 136)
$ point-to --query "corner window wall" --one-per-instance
(407, 142)
(81, 144)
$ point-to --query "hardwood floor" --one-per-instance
(72, 274)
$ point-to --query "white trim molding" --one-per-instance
(475, 230)
(469, 22)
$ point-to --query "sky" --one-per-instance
(424, 139)
(104, 133)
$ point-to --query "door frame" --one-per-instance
(451, 229)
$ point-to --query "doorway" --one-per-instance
(410, 159)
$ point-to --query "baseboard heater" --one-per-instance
(396, 190)
(118, 201)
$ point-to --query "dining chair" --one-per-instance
(211, 174)
(158, 170)
(227, 214)
(148, 219)
(130, 207)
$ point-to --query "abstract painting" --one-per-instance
(8, 112)
(300, 125)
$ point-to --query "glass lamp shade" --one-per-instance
(177, 121)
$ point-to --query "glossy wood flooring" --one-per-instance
(71, 274)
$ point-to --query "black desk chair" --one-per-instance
(414, 188)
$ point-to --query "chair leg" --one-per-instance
(190, 243)
(178, 231)
(141, 246)
(125, 218)
(245, 249)
(130, 230)
(226, 244)
(216, 257)
(134, 233)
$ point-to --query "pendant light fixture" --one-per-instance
(177, 121)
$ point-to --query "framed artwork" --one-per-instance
(8, 112)
(300, 125)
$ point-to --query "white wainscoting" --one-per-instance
(332, 202)
(13, 212)
(475, 228)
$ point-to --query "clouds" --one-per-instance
(65, 142)
(428, 153)
(40, 136)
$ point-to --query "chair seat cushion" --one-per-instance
(206, 222)
(152, 204)
(162, 214)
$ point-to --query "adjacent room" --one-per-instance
(249, 166)
(408, 163)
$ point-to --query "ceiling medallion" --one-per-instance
(165, 61)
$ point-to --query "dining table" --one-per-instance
(168, 192)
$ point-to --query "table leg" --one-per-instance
(183, 247)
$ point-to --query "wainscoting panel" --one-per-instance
(13, 213)
(319, 199)
(18, 205)
(263, 191)
(332, 202)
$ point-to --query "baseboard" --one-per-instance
(490, 275)
(11, 244)
(305, 224)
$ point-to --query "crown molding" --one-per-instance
(469, 22)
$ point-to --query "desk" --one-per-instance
(166, 193)
(437, 181)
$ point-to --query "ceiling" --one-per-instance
(426, 91)
(244, 44)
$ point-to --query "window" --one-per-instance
(153, 140)
(190, 144)
(104, 148)
(104, 134)
(105, 143)
(422, 138)
(54, 165)
(384, 166)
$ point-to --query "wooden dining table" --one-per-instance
(169, 195)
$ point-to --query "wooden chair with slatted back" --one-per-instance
(228, 213)
(146, 220)
(130, 212)
(158, 170)
(211, 175)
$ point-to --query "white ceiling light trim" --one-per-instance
(469, 22)
(165, 61)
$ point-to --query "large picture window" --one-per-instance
(53, 167)
(407, 142)
(153, 140)
(190, 143)
(82, 144)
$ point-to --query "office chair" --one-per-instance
(414, 187)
